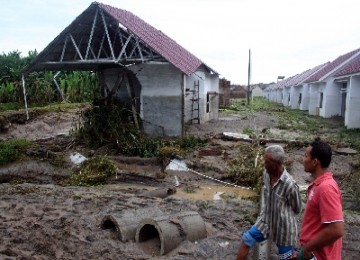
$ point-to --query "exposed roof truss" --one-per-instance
(92, 41)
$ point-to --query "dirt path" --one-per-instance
(40, 219)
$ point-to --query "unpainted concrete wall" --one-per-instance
(110, 78)
(164, 97)
(161, 98)
(224, 93)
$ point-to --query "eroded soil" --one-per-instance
(42, 219)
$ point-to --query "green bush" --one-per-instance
(40, 86)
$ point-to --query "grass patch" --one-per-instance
(10, 106)
(57, 107)
(350, 137)
(307, 126)
(11, 150)
(54, 107)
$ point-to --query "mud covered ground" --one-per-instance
(42, 219)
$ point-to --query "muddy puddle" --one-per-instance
(214, 192)
(203, 192)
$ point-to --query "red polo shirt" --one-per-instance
(324, 205)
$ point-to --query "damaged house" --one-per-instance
(160, 81)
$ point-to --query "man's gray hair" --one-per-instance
(277, 153)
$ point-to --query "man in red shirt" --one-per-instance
(323, 222)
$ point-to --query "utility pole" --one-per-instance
(249, 75)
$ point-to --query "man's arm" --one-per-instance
(331, 232)
(295, 199)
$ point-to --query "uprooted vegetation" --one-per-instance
(107, 129)
(110, 123)
(94, 171)
(247, 168)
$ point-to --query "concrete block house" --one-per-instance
(161, 81)
(304, 93)
(256, 91)
(327, 96)
(349, 78)
(299, 91)
(329, 89)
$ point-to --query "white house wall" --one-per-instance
(279, 95)
(269, 95)
(273, 94)
(283, 96)
(314, 101)
(305, 97)
(257, 92)
(352, 119)
(332, 99)
(295, 92)
(161, 98)
(208, 85)
(191, 96)
(286, 95)
(212, 96)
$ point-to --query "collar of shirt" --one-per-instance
(282, 178)
(320, 179)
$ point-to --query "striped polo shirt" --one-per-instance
(279, 205)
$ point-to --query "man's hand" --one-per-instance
(305, 254)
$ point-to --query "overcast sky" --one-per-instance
(286, 37)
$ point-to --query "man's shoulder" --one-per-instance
(286, 177)
(328, 183)
(326, 179)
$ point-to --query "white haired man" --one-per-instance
(281, 202)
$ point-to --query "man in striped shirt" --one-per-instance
(280, 203)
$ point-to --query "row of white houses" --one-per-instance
(329, 89)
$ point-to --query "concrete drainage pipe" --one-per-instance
(125, 223)
(160, 235)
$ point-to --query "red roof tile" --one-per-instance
(282, 84)
(156, 39)
(351, 68)
(302, 77)
(331, 66)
